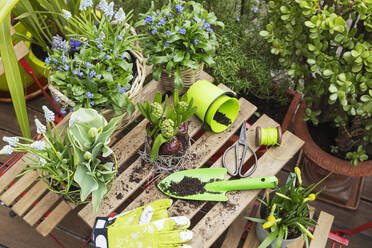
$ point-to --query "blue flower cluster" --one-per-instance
(149, 19)
(88, 94)
(182, 31)
(179, 8)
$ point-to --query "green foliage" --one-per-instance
(164, 128)
(358, 156)
(179, 36)
(287, 210)
(326, 57)
(95, 68)
(75, 162)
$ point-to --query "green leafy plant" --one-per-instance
(286, 211)
(164, 129)
(11, 69)
(95, 68)
(329, 60)
(178, 36)
(75, 162)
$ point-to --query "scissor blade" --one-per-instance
(243, 137)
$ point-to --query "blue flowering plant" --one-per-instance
(75, 160)
(96, 67)
(179, 36)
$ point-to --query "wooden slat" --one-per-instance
(21, 51)
(236, 229)
(203, 148)
(10, 174)
(189, 208)
(321, 230)
(29, 198)
(47, 225)
(222, 215)
(19, 187)
(41, 208)
(251, 241)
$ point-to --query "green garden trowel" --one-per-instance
(208, 184)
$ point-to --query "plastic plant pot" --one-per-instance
(27, 80)
(215, 106)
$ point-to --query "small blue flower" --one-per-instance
(254, 9)
(196, 41)
(63, 111)
(91, 103)
(86, 43)
(121, 90)
(109, 69)
(122, 56)
(100, 45)
(179, 8)
(92, 73)
(210, 30)
(55, 62)
(169, 14)
(108, 57)
(158, 13)
(120, 37)
(166, 44)
(80, 74)
(153, 31)
(63, 57)
(75, 72)
(75, 44)
(89, 65)
(161, 22)
(66, 67)
(182, 31)
(168, 32)
(58, 67)
(149, 19)
(116, 84)
(99, 76)
(206, 25)
(88, 94)
(47, 60)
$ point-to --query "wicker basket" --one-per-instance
(134, 93)
(189, 76)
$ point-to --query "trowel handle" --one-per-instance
(243, 184)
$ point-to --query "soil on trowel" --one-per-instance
(221, 118)
(187, 186)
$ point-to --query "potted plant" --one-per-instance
(285, 214)
(167, 140)
(331, 63)
(76, 162)
(179, 40)
(100, 67)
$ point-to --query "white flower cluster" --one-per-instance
(40, 128)
(120, 15)
(11, 140)
(84, 4)
(66, 14)
(38, 145)
(107, 9)
(48, 114)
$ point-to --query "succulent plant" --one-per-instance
(89, 134)
(163, 131)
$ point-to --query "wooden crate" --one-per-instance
(209, 220)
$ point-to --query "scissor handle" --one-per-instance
(255, 162)
(235, 173)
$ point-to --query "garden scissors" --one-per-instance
(238, 166)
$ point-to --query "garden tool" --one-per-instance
(238, 165)
(208, 184)
(105, 232)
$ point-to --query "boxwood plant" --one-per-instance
(178, 36)
(327, 48)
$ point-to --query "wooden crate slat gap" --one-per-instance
(203, 151)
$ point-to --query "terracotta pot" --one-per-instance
(323, 159)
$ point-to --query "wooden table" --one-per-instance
(209, 219)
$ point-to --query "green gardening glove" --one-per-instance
(142, 215)
(168, 232)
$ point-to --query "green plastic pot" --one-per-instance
(36, 64)
(213, 102)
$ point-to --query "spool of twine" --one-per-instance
(268, 136)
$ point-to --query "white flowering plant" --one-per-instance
(179, 36)
(75, 162)
(96, 67)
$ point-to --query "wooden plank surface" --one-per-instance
(223, 214)
(41, 208)
(322, 229)
(189, 208)
(29, 198)
(18, 187)
(11, 173)
(52, 220)
(203, 148)
(251, 241)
